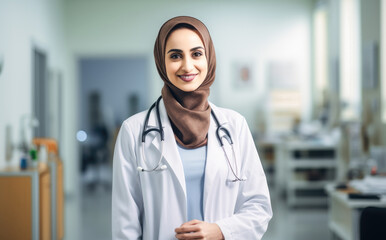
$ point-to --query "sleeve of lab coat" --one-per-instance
(127, 204)
(253, 207)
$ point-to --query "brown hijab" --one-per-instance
(189, 112)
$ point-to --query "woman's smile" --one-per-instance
(187, 77)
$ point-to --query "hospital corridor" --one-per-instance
(89, 149)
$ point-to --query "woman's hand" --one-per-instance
(196, 229)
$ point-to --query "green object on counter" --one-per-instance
(33, 154)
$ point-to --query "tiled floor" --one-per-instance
(297, 223)
(88, 216)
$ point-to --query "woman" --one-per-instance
(190, 187)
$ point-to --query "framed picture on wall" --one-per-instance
(243, 74)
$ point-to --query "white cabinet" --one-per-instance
(309, 167)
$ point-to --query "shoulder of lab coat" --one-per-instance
(127, 204)
(253, 210)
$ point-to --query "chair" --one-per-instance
(373, 224)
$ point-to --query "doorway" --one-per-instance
(111, 90)
(39, 77)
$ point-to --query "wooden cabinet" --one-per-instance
(31, 202)
(57, 199)
(15, 207)
(25, 204)
(44, 205)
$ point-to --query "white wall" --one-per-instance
(25, 24)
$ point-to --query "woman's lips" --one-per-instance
(187, 77)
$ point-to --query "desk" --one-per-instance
(344, 214)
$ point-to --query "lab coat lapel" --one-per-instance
(214, 159)
(170, 152)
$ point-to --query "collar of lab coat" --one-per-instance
(171, 154)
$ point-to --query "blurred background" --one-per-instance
(308, 75)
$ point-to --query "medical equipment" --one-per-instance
(145, 131)
(159, 167)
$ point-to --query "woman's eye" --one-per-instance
(197, 54)
(175, 56)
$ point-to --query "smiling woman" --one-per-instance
(185, 61)
(188, 183)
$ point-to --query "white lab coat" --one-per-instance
(150, 205)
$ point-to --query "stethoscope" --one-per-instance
(159, 167)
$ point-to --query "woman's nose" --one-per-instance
(187, 65)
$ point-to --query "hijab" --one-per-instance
(189, 112)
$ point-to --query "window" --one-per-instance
(320, 56)
(350, 68)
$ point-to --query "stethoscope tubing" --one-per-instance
(145, 131)
(156, 168)
(160, 130)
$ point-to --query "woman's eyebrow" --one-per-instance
(175, 50)
(180, 51)
(194, 49)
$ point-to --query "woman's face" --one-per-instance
(185, 60)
